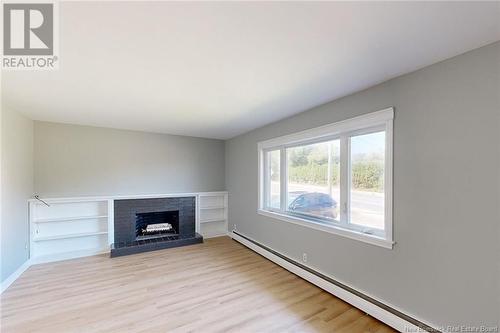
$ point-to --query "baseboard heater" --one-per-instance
(375, 308)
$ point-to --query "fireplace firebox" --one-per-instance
(156, 224)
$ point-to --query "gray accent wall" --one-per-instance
(444, 268)
(16, 189)
(73, 160)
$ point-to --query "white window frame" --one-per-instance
(372, 122)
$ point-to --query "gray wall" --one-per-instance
(444, 268)
(72, 160)
(17, 188)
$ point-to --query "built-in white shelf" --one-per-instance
(69, 228)
(212, 214)
(56, 237)
(67, 219)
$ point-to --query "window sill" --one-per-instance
(352, 234)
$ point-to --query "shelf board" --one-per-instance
(213, 220)
(69, 255)
(71, 218)
(213, 207)
(204, 195)
(83, 234)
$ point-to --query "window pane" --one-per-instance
(273, 160)
(367, 180)
(314, 180)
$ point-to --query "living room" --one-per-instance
(250, 166)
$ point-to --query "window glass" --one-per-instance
(273, 184)
(314, 180)
(367, 180)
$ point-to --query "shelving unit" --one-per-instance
(212, 214)
(84, 226)
(68, 229)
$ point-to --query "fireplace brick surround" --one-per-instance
(125, 219)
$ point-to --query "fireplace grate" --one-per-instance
(156, 224)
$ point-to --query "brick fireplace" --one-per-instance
(131, 217)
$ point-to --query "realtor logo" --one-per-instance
(29, 36)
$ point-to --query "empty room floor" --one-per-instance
(216, 286)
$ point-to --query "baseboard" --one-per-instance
(13, 277)
(375, 308)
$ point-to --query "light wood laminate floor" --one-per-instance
(217, 286)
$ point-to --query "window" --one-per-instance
(336, 178)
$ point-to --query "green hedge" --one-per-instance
(314, 174)
(366, 175)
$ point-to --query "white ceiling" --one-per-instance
(220, 69)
